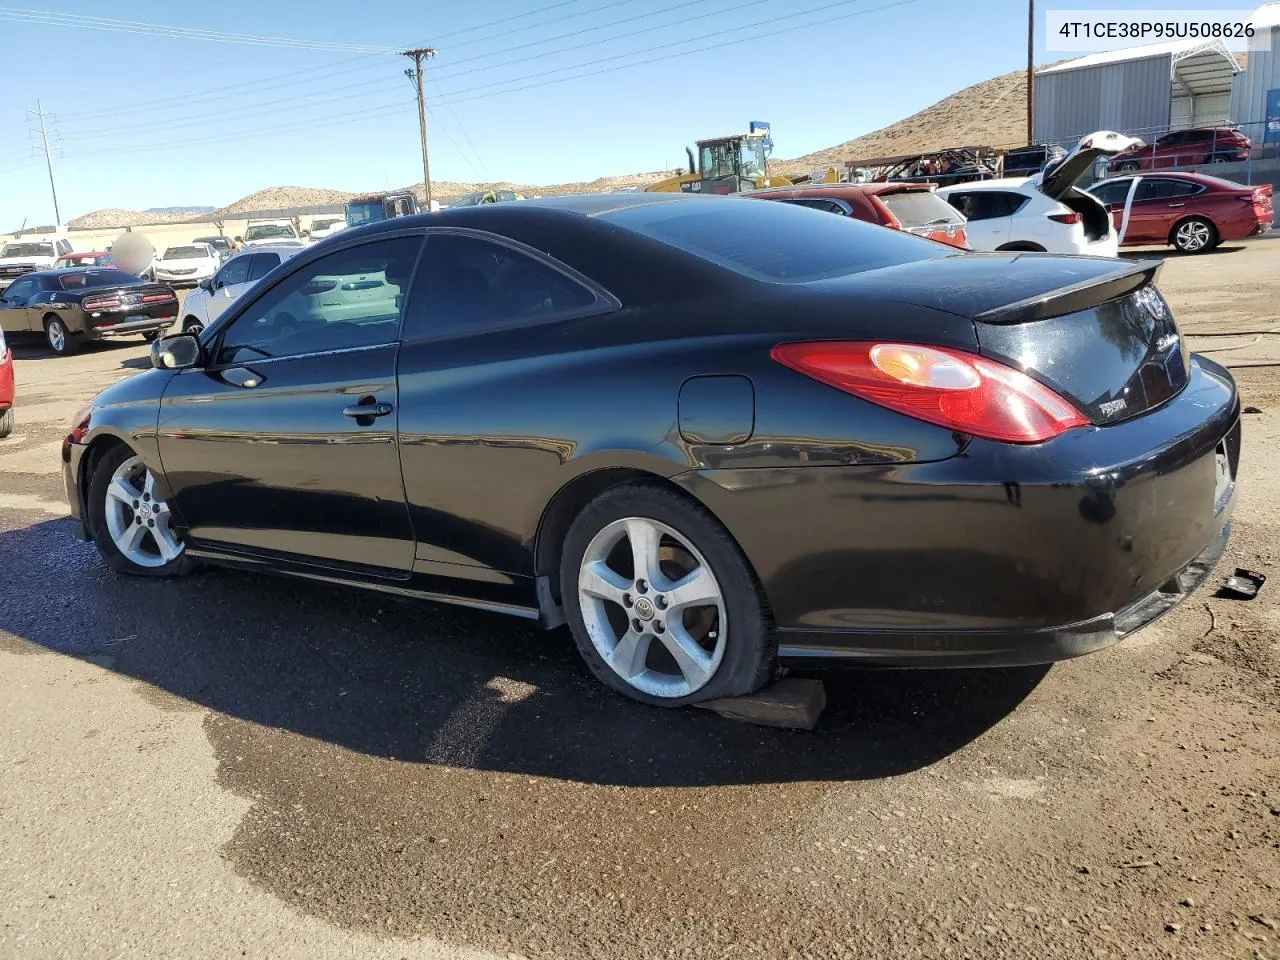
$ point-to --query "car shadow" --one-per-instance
(1171, 253)
(32, 347)
(431, 683)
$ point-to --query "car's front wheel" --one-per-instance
(6, 422)
(660, 599)
(132, 526)
(1129, 167)
(192, 326)
(58, 336)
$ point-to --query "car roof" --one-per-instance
(1015, 184)
(1202, 178)
(70, 271)
(86, 253)
(842, 189)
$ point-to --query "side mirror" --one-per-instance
(206, 285)
(306, 233)
(179, 352)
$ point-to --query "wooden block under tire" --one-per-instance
(792, 702)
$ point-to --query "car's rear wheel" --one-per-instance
(1219, 158)
(132, 526)
(192, 326)
(1195, 235)
(6, 422)
(661, 602)
(1128, 167)
(58, 337)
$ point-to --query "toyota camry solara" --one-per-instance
(712, 434)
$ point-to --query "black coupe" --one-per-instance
(73, 305)
(710, 433)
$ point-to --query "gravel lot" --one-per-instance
(241, 766)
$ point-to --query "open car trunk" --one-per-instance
(1094, 216)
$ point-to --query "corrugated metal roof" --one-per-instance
(1267, 15)
(1181, 49)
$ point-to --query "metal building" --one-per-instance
(1260, 76)
(1144, 91)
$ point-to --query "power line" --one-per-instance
(23, 15)
(449, 73)
(543, 23)
(466, 136)
(665, 46)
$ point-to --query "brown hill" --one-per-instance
(992, 113)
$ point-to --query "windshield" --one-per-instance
(269, 231)
(364, 211)
(323, 224)
(218, 243)
(27, 250)
(185, 253)
(775, 242)
(96, 278)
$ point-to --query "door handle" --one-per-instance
(362, 411)
(1177, 205)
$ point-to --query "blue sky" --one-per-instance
(145, 121)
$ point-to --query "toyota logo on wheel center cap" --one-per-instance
(644, 609)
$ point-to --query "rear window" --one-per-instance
(774, 242)
(918, 208)
(96, 278)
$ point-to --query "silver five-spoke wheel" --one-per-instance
(652, 607)
(137, 519)
(1193, 236)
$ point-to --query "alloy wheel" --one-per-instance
(653, 607)
(57, 334)
(1192, 236)
(195, 328)
(139, 522)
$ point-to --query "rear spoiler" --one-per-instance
(1128, 277)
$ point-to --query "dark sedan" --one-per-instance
(76, 304)
(710, 434)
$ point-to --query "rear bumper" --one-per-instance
(1001, 555)
(6, 379)
(130, 328)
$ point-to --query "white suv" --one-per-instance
(1046, 212)
(208, 301)
(26, 254)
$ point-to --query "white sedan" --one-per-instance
(186, 265)
(1046, 212)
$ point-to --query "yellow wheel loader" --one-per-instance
(733, 164)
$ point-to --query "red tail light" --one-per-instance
(1065, 217)
(159, 297)
(962, 391)
(101, 303)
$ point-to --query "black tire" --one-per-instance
(6, 422)
(750, 653)
(1129, 167)
(103, 471)
(153, 336)
(58, 337)
(1176, 236)
(1220, 158)
(192, 326)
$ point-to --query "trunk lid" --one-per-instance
(1095, 330)
(1058, 178)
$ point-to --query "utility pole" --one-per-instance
(418, 55)
(48, 159)
(1031, 76)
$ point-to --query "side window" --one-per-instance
(351, 298)
(64, 246)
(467, 281)
(19, 290)
(987, 204)
(235, 271)
(1155, 188)
(1113, 192)
(1006, 204)
(263, 263)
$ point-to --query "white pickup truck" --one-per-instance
(273, 232)
(29, 253)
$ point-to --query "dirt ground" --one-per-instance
(240, 766)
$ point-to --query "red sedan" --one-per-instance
(1191, 211)
(6, 388)
(912, 207)
(1185, 148)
